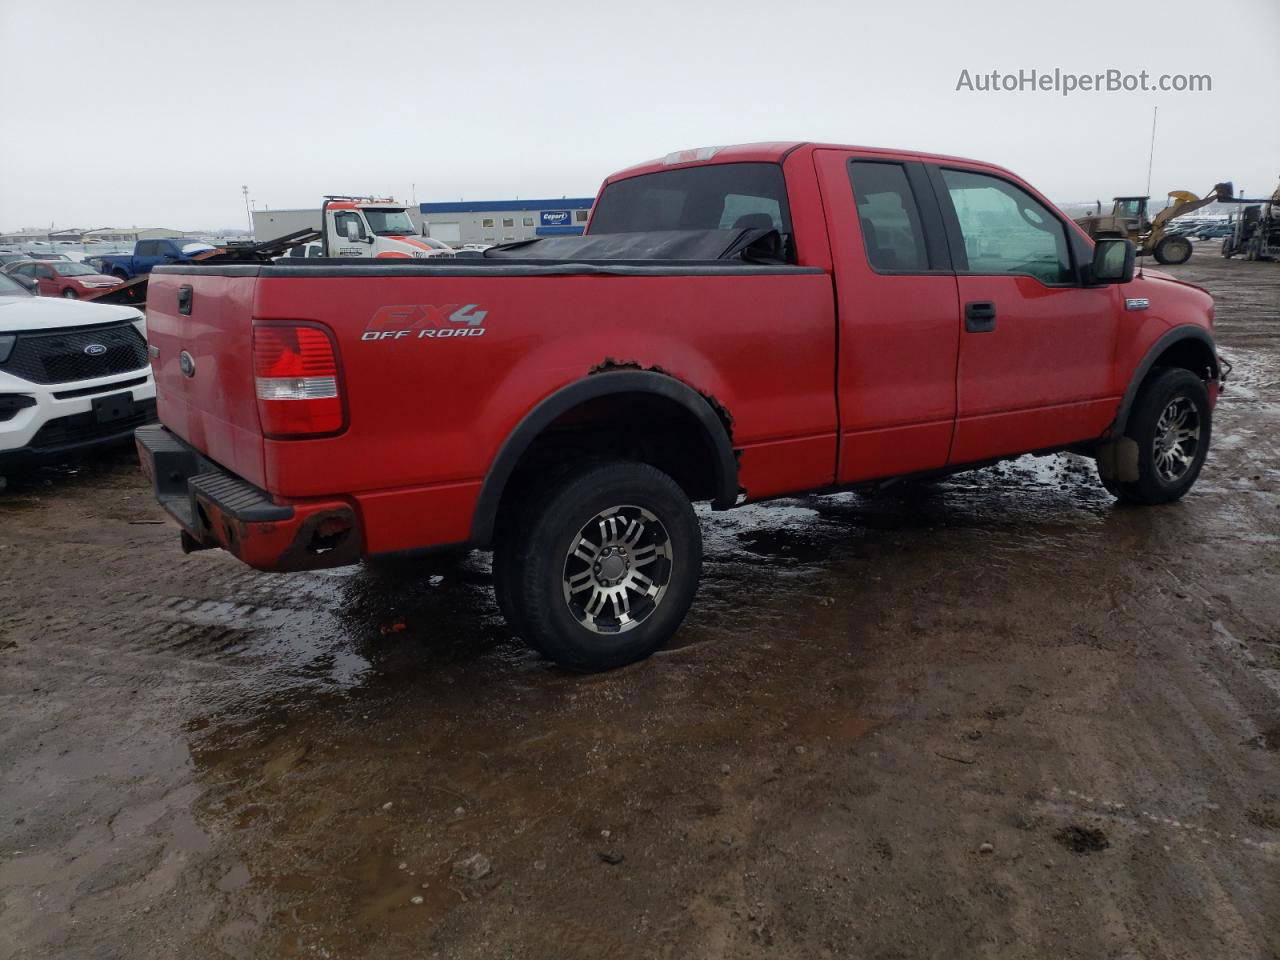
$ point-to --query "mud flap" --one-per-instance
(1118, 460)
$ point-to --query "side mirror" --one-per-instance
(1113, 261)
(353, 232)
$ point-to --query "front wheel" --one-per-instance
(1171, 423)
(598, 569)
(1173, 249)
(70, 294)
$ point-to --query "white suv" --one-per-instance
(73, 375)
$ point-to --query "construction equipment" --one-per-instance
(1257, 230)
(1128, 220)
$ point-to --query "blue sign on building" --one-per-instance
(555, 218)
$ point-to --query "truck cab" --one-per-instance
(368, 227)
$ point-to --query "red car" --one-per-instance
(62, 278)
(736, 324)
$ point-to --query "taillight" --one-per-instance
(296, 374)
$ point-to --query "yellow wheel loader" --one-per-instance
(1128, 220)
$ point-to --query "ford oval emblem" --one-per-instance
(95, 349)
(187, 364)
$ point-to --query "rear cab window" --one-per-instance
(720, 196)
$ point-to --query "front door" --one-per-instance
(344, 224)
(898, 320)
(1036, 347)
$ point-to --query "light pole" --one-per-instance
(247, 212)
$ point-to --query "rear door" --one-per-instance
(898, 318)
(1035, 361)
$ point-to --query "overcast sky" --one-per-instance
(155, 113)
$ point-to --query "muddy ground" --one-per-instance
(999, 717)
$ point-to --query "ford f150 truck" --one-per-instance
(736, 324)
(148, 254)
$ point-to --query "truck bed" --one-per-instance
(429, 401)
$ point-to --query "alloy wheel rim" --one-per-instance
(1177, 439)
(617, 569)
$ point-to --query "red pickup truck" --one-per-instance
(736, 324)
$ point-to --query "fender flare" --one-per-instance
(594, 386)
(1167, 340)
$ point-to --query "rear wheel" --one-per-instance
(1173, 249)
(599, 570)
(1171, 423)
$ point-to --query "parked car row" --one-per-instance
(60, 278)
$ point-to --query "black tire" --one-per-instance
(1155, 484)
(121, 274)
(534, 556)
(1173, 249)
(70, 294)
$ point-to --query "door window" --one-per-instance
(1006, 230)
(44, 273)
(889, 218)
(149, 248)
(340, 221)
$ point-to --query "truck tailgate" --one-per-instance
(203, 366)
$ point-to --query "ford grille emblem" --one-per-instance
(95, 349)
(187, 364)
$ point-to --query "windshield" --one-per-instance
(12, 288)
(721, 196)
(389, 222)
(75, 270)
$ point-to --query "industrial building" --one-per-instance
(103, 234)
(504, 221)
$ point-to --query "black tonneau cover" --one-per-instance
(749, 244)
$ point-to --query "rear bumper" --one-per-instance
(215, 508)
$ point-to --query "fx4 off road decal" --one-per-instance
(424, 321)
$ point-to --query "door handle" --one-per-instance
(979, 316)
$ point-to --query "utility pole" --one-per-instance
(247, 212)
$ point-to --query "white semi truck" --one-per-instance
(352, 227)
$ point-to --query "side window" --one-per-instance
(147, 248)
(1006, 230)
(888, 216)
(340, 221)
(44, 273)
